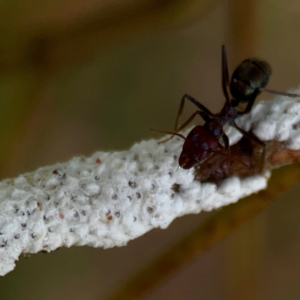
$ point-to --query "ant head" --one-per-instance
(185, 161)
(199, 145)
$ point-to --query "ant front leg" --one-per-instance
(188, 121)
(203, 112)
(255, 139)
(194, 101)
(279, 93)
(226, 142)
(249, 105)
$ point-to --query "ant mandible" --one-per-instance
(248, 80)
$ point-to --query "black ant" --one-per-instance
(247, 82)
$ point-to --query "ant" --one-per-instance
(248, 80)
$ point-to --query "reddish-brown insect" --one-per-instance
(247, 82)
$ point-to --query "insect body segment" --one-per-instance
(199, 145)
(246, 80)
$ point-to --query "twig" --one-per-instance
(215, 228)
(111, 198)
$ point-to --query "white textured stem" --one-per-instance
(111, 198)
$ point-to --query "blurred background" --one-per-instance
(85, 75)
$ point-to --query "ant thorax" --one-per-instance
(214, 127)
(227, 114)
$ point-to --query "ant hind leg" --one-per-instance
(226, 142)
(255, 139)
(279, 93)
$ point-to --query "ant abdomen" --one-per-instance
(247, 79)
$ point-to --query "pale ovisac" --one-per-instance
(111, 198)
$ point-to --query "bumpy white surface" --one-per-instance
(277, 119)
(110, 198)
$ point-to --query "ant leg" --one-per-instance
(189, 120)
(204, 116)
(279, 93)
(168, 132)
(251, 101)
(253, 138)
(203, 113)
(249, 105)
(194, 101)
(226, 142)
(225, 75)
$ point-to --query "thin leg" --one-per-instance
(194, 101)
(226, 142)
(252, 100)
(279, 93)
(180, 110)
(225, 75)
(168, 132)
(188, 121)
(253, 138)
(249, 105)
(204, 116)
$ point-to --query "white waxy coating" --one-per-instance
(111, 198)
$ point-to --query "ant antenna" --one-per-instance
(168, 132)
(279, 93)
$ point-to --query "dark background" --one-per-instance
(87, 75)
